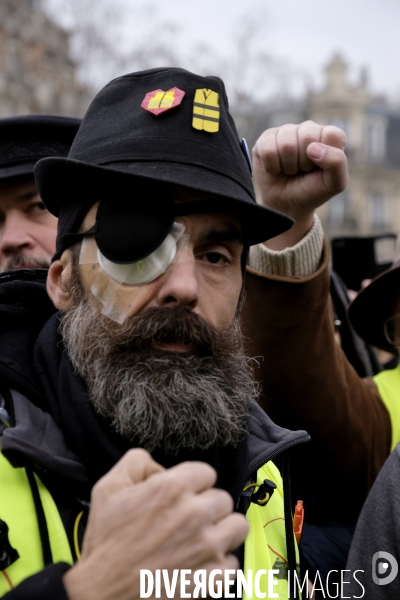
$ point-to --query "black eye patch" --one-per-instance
(129, 225)
(128, 229)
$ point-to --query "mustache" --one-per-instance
(176, 325)
(21, 259)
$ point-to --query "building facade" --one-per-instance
(371, 203)
(36, 72)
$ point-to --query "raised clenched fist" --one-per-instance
(297, 169)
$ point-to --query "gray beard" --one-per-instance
(157, 399)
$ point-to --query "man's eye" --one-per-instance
(37, 207)
(216, 258)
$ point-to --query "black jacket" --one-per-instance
(24, 310)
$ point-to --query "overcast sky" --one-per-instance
(304, 32)
(301, 36)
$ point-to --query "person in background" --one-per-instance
(360, 355)
(27, 229)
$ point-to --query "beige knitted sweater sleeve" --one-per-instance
(302, 259)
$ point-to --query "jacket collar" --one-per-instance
(266, 440)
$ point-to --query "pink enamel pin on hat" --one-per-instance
(159, 101)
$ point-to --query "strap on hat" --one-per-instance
(69, 239)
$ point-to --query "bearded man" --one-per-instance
(156, 214)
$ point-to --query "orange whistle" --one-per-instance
(298, 520)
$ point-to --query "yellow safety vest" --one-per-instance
(265, 546)
(17, 510)
(388, 384)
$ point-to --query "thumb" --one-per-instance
(333, 164)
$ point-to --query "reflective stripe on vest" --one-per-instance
(265, 545)
(18, 511)
(388, 384)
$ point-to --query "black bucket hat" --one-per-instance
(26, 139)
(123, 142)
(370, 309)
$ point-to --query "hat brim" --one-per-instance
(59, 179)
(370, 309)
(17, 170)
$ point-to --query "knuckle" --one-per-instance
(200, 469)
(308, 138)
(271, 131)
(269, 157)
(137, 454)
(225, 500)
(231, 562)
(204, 509)
(263, 140)
(165, 488)
(236, 528)
(310, 128)
(175, 480)
(238, 521)
(331, 132)
(135, 457)
(210, 546)
(217, 505)
(191, 519)
(289, 147)
(333, 129)
(201, 511)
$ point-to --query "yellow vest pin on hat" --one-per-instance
(206, 110)
(159, 101)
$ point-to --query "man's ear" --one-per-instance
(58, 280)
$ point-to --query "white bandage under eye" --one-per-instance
(147, 269)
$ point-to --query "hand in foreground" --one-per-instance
(145, 517)
(297, 169)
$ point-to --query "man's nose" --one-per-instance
(15, 234)
(180, 285)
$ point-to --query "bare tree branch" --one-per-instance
(113, 40)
